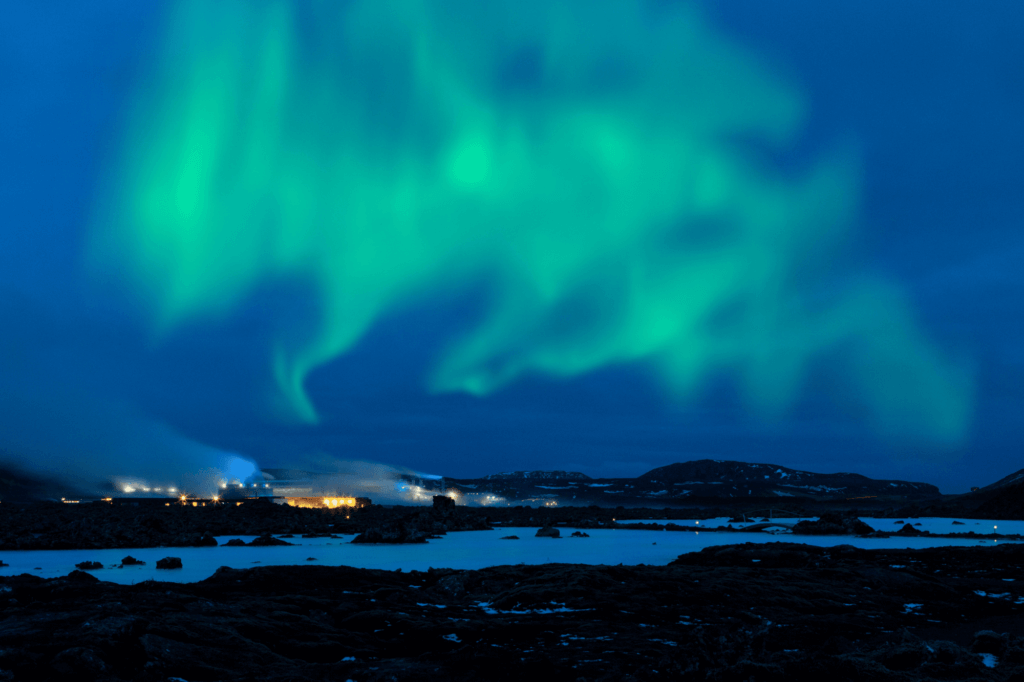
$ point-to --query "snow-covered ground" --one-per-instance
(948, 526)
(935, 525)
(468, 550)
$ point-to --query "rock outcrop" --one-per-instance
(268, 540)
(169, 562)
(831, 523)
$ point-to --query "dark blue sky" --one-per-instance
(929, 93)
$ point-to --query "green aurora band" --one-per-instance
(592, 165)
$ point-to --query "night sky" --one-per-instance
(466, 238)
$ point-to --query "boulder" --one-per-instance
(81, 662)
(831, 523)
(548, 532)
(236, 542)
(82, 577)
(989, 642)
(907, 529)
(169, 562)
(580, 534)
(510, 537)
(268, 541)
(131, 561)
(89, 565)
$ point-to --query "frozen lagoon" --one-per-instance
(469, 550)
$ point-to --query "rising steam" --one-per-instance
(588, 163)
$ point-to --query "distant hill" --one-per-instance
(701, 480)
(16, 486)
(1003, 499)
(539, 475)
(1013, 479)
(718, 478)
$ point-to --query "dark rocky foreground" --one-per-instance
(741, 612)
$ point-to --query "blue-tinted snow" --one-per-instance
(467, 550)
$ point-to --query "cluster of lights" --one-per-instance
(134, 486)
(242, 485)
(335, 502)
(129, 488)
(486, 500)
(417, 493)
(321, 502)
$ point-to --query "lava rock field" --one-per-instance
(779, 611)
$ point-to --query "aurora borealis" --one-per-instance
(471, 237)
(598, 178)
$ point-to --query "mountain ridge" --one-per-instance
(694, 480)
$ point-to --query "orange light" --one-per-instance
(335, 502)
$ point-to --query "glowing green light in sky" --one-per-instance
(586, 162)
